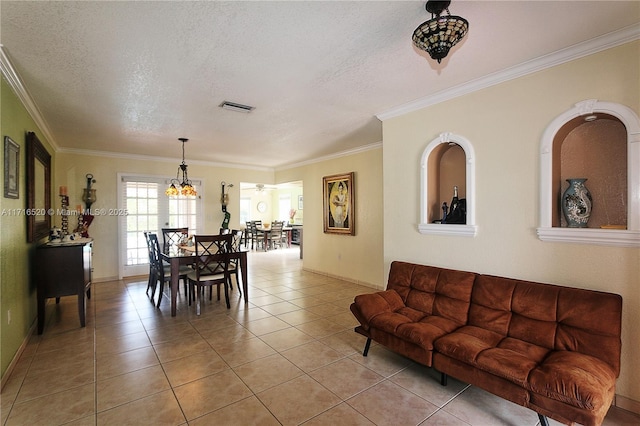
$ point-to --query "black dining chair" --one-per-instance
(236, 243)
(159, 272)
(173, 237)
(211, 266)
(248, 235)
(152, 284)
(258, 237)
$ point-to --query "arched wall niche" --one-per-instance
(436, 184)
(622, 123)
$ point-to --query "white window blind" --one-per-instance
(149, 209)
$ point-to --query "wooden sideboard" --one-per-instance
(62, 270)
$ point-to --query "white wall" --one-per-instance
(505, 124)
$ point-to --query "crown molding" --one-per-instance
(15, 82)
(139, 157)
(589, 47)
(329, 157)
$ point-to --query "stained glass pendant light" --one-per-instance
(186, 187)
(440, 33)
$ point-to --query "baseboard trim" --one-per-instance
(627, 404)
(12, 365)
(351, 280)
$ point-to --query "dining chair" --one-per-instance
(162, 273)
(173, 237)
(211, 267)
(236, 243)
(152, 284)
(258, 237)
(275, 235)
(248, 235)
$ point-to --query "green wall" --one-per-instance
(17, 294)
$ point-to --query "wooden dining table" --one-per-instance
(184, 255)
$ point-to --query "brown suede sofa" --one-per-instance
(553, 349)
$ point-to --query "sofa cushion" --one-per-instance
(424, 332)
(467, 343)
(505, 357)
(574, 378)
(432, 290)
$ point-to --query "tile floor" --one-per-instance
(289, 357)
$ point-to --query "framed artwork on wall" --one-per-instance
(11, 168)
(338, 204)
(300, 204)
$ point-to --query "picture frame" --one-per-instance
(38, 189)
(338, 196)
(300, 204)
(11, 168)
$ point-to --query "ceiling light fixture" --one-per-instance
(186, 187)
(232, 106)
(440, 33)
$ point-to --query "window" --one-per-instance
(149, 209)
(284, 205)
(245, 209)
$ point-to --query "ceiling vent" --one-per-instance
(232, 106)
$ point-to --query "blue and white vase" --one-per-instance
(577, 203)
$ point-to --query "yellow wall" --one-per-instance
(505, 124)
(17, 293)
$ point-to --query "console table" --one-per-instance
(63, 270)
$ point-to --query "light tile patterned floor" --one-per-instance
(289, 357)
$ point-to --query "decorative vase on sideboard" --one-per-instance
(577, 203)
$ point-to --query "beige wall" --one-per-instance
(356, 258)
(71, 170)
(505, 124)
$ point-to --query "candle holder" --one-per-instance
(64, 201)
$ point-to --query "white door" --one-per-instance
(149, 209)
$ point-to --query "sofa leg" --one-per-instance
(366, 347)
(543, 420)
(443, 379)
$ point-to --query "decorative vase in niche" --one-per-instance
(576, 203)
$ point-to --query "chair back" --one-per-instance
(155, 260)
(236, 239)
(276, 229)
(211, 254)
(149, 248)
(173, 237)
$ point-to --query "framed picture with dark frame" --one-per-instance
(11, 168)
(338, 197)
(300, 203)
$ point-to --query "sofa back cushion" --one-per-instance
(432, 290)
(550, 316)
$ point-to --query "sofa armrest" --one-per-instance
(367, 306)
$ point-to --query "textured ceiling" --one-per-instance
(133, 77)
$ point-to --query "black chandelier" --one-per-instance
(440, 33)
(186, 187)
